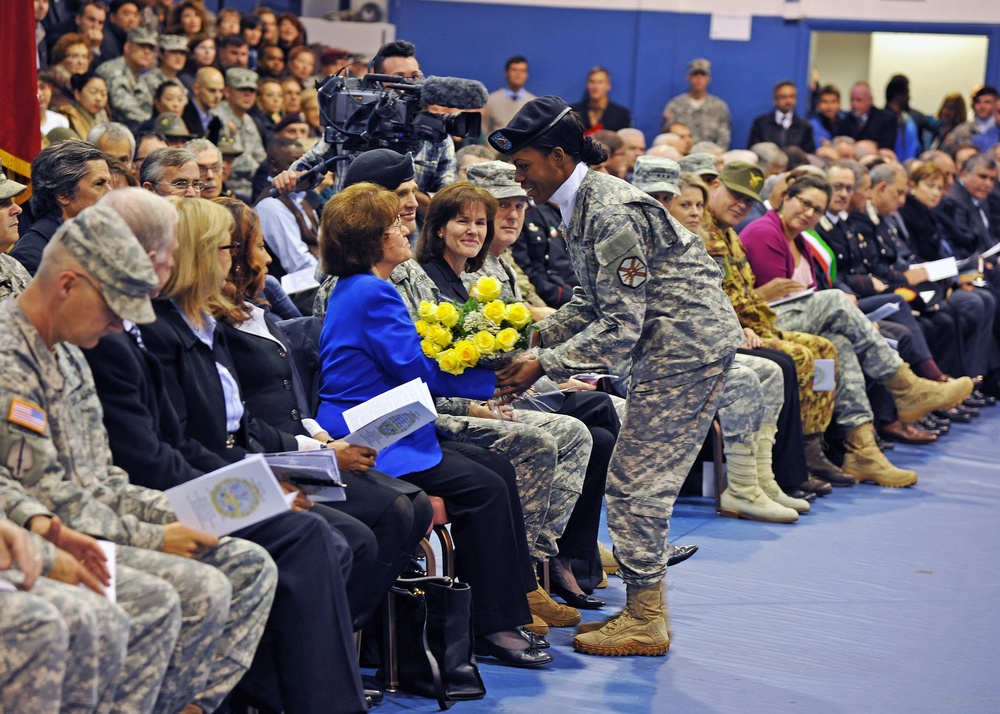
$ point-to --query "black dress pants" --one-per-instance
(491, 549)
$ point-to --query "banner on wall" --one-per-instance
(20, 125)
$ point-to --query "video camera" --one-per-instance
(385, 111)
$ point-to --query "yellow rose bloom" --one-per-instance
(485, 342)
(422, 327)
(449, 362)
(495, 311)
(438, 334)
(467, 352)
(427, 311)
(507, 338)
(447, 314)
(430, 349)
(487, 288)
(518, 315)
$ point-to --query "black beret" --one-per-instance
(534, 119)
(384, 167)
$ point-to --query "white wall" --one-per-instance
(972, 11)
(842, 58)
(936, 65)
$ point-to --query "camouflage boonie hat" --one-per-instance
(743, 178)
(239, 78)
(171, 126)
(497, 177)
(173, 43)
(656, 174)
(141, 36)
(107, 249)
(9, 188)
(700, 165)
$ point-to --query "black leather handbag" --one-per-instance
(435, 640)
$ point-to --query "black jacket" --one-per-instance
(880, 127)
(799, 134)
(195, 390)
(615, 116)
(962, 222)
(145, 435)
(28, 250)
(540, 251)
(192, 120)
(925, 232)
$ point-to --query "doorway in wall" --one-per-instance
(936, 64)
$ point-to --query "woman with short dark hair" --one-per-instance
(368, 345)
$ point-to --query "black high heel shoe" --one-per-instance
(577, 600)
(515, 658)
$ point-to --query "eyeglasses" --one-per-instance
(182, 185)
(740, 198)
(214, 168)
(396, 225)
(233, 247)
(412, 76)
(838, 187)
(808, 206)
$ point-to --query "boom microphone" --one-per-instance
(454, 92)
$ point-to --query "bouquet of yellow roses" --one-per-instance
(484, 331)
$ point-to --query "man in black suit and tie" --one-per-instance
(965, 209)
(783, 126)
(867, 122)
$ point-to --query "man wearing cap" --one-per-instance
(173, 58)
(657, 176)
(861, 350)
(230, 148)
(704, 166)
(240, 96)
(93, 276)
(292, 126)
(649, 295)
(13, 277)
(131, 99)
(172, 128)
(705, 114)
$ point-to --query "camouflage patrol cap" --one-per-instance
(656, 174)
(700, 165)
(534, 119)
(107, 249)
(173, 43)
(743, 178)
(229, 144)
(239, 78)
(497, 177)
(9, 188)
(700, 66)
(171, 126)
(141, 36)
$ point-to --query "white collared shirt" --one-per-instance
(565, 195)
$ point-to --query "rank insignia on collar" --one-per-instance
(873, 214)
(632, 272)
(826, 224)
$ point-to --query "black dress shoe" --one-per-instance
(536, 641)
(989, 401)
(942, 424)
(971, 411)
(955, 415)
(680, 553)
(515, 658)
(817, 486)
(804, 495)
(577, 600)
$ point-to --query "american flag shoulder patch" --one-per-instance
(30, 416)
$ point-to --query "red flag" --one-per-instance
(20, 124)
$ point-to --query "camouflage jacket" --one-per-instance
(130, 98)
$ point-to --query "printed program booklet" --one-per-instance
(227, 499)
(315, 472)
(390, 416)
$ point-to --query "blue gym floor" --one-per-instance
(880, 600)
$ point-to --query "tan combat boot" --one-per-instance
(642, 628)
(917, 397)
(865, 462)
(743, 497)
(608, 561)
(551, 612)
(765, 474)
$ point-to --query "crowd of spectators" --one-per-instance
(148, 340)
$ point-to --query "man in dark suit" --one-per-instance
(596, 110)
(867, 122)
(199, 116)
(965, 211)
(783, 126)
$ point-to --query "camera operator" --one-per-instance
(434, 163)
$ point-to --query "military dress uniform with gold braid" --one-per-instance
(738, 282)
(648, 294)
